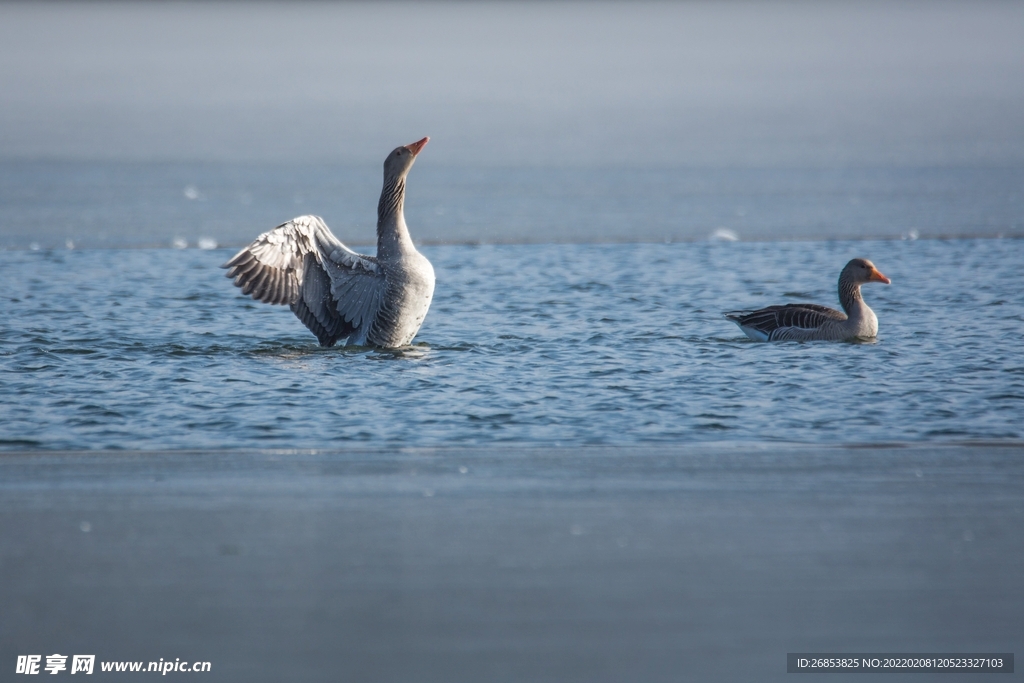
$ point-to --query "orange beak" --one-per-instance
(875, 276)
(415, 147)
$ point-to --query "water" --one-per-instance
(569, 344)
(608, 481)
(118, 204)
(581, 157)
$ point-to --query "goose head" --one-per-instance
(860, 271)
(400, 160)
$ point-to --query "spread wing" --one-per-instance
(357, 287)
(272, 267)
(329, 287)
(770, 320)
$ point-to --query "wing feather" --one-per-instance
(315, 302)
(334, 291)
(270, 288)
(775, 321)
(357, 287)
(281, 289)
(281, 251)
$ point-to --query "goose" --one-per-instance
(806, 322)
(338, 294)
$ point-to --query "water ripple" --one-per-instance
(155, 349)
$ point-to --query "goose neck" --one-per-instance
(392, 233)
(850, 297)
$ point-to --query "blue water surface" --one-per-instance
(536, 344)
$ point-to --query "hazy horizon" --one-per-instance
(646, 84)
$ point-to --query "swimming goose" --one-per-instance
(338, 294)
(805, 322)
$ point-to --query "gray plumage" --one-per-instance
(338, 294)
(806, 322)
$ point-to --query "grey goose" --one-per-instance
(807, 322)
(338, 294)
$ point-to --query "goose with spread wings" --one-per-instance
(338, 294)
(806, 322)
